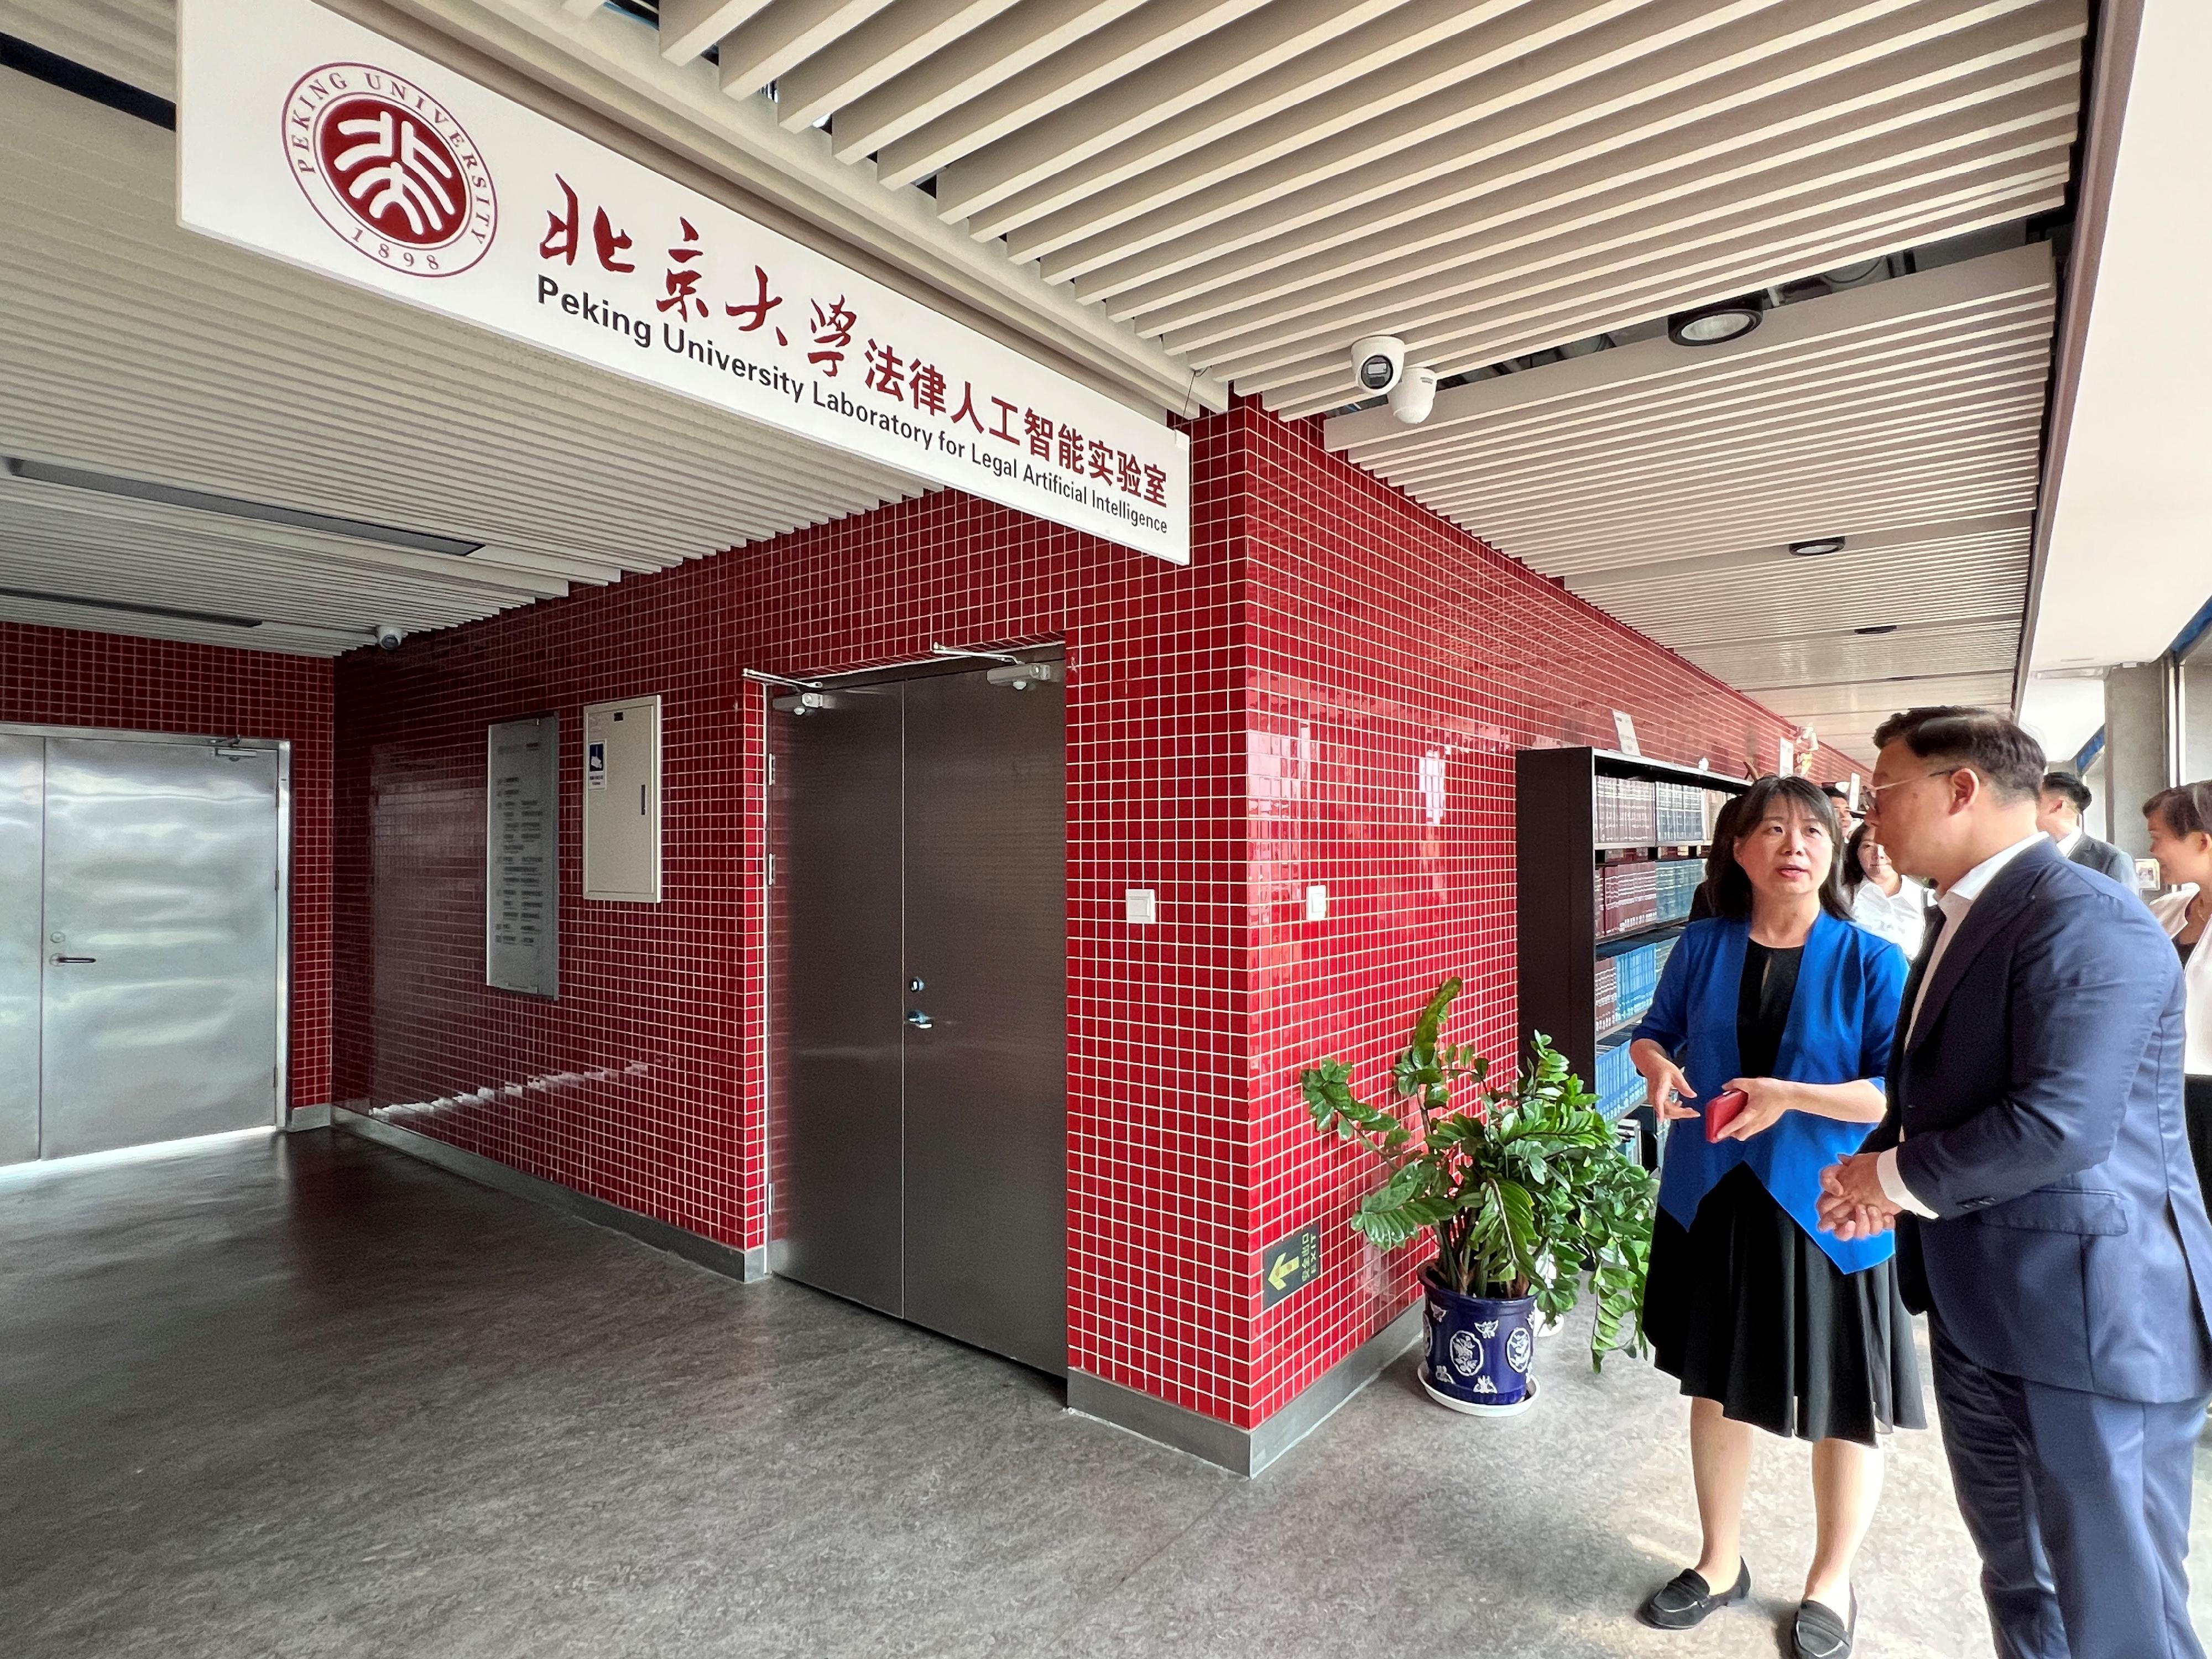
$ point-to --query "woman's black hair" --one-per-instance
(1732, 893)
(1854, 873)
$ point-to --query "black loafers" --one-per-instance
(1687, 1598)
(1821, 1633)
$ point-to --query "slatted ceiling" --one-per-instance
(130, 346)
(997, 51)
(1100, 58)
(783, 35)
(689, 27)
(1505, 224)
(1506, 320)
(884, 47)
(1861, 708)
(1200, 74)
(1116, 181)
(204, 564)
(1805, 597)
(1665, 483)
(133, 41)
(1229, 205)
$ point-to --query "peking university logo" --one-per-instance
(388, 168)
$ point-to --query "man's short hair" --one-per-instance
(2066, 784)
(1836, 792)
(2010, 760)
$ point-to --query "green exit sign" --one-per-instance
(1290, 1264)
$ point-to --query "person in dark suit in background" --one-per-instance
(1840, 799)
(2058, 815)
(2034, 1161)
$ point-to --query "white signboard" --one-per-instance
(304, 136)
(522, 845)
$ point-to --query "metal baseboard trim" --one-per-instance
(748, 1266)
(307, 1117)
(1246, 1451)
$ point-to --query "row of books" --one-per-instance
(1619, 1086)
(1643, 812)
(1644, 892)
(1626, 980)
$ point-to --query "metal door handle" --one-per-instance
(73, 958)
(919, 1021)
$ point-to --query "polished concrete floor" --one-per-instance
(306, 1396)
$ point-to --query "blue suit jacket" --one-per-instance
(2036, 1107)
(1842, 1017)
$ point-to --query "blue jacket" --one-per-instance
(1843, 1019)
(2037, 1109)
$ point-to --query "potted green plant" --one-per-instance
(1522, 1188)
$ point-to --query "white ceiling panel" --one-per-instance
(1666, 483)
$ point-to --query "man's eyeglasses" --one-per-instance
(1874, 792)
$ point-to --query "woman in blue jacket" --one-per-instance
(1768, 1321)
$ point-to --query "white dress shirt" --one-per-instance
(1900, 917)
(1954, 902)
(2069, 841)
(2172, 910)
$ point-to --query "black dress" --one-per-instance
(1745, 1310)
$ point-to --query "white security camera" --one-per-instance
(1377, 360)
(1414, 396)
(388, 637)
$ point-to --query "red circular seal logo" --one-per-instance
(388, 168)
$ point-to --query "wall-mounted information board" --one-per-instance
(522, 856)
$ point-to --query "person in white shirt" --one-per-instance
(2181, 840)
(1882, 902)
(2058, 815)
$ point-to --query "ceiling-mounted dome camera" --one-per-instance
(388, 637)
(1378, 362)
(1414, 395)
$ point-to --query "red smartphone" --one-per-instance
(1721, 1110)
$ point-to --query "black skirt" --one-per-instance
(1745, 1310)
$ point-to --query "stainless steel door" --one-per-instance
(987, 1077)
(160, 1011)
(837, 1212)
(22, 920)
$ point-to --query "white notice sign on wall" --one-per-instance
(304, 136)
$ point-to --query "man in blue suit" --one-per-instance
(2036, 1167)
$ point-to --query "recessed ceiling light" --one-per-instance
(1818, 547)
(169, 612)
(230, 507)
(1703, 326)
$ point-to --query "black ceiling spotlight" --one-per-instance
(1818, 547)
(1879, 628)
(1725, 319)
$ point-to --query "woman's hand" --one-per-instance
(1765, 1100)
(1664, 1085)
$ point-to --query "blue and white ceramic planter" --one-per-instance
(1479, 1351)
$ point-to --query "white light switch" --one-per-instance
(1144, 907)
(1317, 903)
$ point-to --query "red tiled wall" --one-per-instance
(1315, 600)
(63, 676)
(643, 1085)
(1382, 636)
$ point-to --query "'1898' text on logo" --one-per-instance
(389, 169)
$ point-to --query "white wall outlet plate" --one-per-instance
(1317, 903)
(1144, 907)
